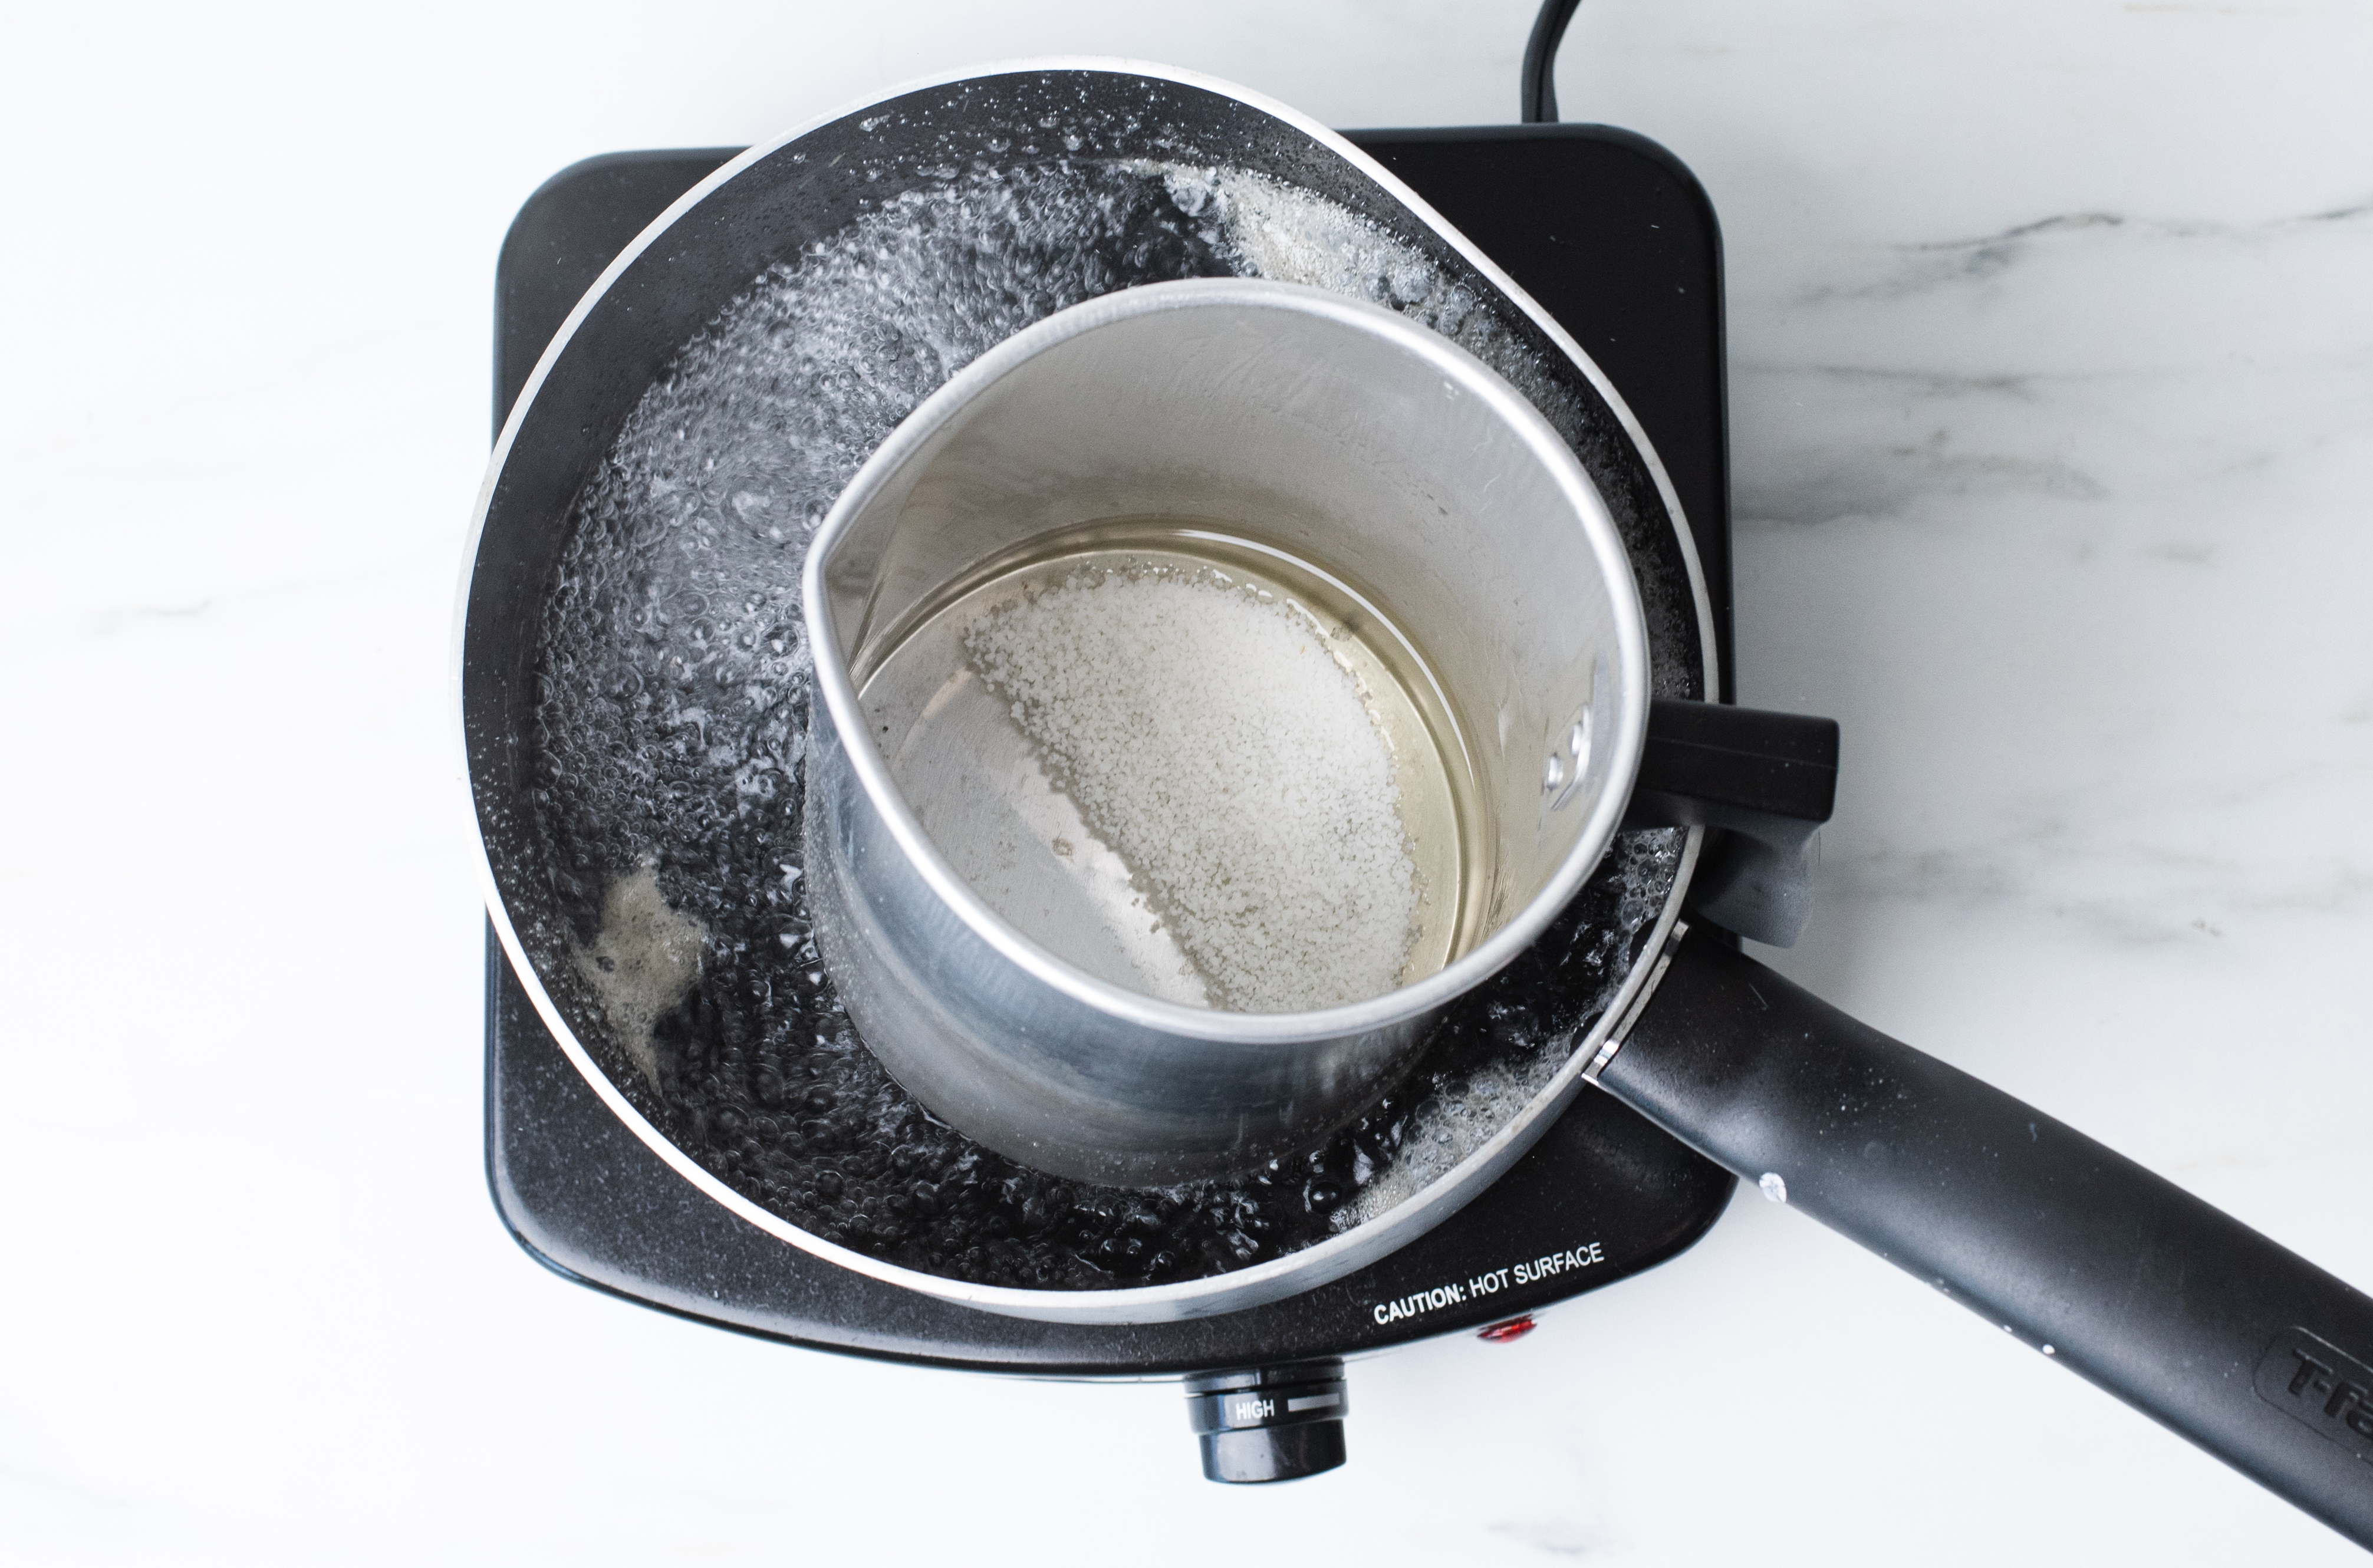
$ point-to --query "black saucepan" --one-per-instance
(2242, 1347)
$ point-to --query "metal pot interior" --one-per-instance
(635, 709)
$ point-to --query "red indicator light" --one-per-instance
(1509, 1332)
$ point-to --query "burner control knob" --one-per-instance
(1269, 1423)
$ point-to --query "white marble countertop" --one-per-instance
(2053, 387)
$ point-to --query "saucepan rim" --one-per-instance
(1207, 1295)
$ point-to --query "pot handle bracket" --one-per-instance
(2216, 1332)
(1762, 783)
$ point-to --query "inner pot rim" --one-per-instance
(939, 415)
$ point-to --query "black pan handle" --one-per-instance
(2191, 1317)
(1764, 783)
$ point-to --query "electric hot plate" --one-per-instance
(1612, 235)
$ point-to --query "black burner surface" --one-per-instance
(1612, 237)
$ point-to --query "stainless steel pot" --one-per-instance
(1336, 433)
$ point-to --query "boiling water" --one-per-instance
(674, 713)
(1192, 765)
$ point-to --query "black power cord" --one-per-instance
(1538, 91)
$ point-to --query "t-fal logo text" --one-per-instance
(2321, 1385)
(2347, 1401)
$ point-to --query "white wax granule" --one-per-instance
(1209, 736)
